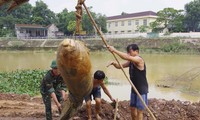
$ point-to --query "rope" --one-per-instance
(79, 13)
(101, 35)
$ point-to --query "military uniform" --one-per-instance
(49, 84)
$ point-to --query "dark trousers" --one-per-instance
(47, 102)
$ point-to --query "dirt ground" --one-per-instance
(24, 107)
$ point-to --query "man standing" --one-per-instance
(52, 86)
(137, 71)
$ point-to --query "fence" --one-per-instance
(116, 36)
(155, 35)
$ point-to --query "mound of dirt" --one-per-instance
(24, 107)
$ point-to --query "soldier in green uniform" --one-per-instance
(52, 86)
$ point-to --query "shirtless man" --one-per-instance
(96, 93)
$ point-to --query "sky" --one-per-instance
(115, 7)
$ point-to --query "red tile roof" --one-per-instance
(29, 26)
(139, 14)
(49, 25)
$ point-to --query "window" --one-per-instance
(145, 22)
(109, 32)
(116, 24)
(21, 31)
(137, 22)
(109, 24)
(122, 32)
(129, 31)
(136, 30)
(37, 33)
(116, 32)
(129, 23)
(122, 23)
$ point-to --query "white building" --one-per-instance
(129, 23)
(33, 31)
(53, 31)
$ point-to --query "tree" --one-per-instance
(63, 20)
(99, 19)
(71, 26)
(42, 15)
(101, 22)
(124, 13)
(192, 17)
(7, 26)
(3, 9)
(142, 28)
(177, 24)
(23, 14)
(156, 26)
(171, 19)
(8, 20)
(86, 23)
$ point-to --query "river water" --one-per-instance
(175, 71)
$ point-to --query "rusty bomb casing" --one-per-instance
(74, 63)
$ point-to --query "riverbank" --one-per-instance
(175, 45)
(23, 107)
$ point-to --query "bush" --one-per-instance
(21, 81)
(174, 47)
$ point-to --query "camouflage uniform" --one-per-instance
(49, 84)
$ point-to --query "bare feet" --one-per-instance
(90, 118)
(98, 117)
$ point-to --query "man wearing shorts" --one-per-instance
(98, 83)
(137, 71)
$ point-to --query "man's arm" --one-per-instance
(63, 88)
(53, 95)
(119, 53)
(63, 95)
(137, 60)
(107, 92)
(124, 65)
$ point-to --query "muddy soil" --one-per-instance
(24, 107)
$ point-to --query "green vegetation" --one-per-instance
(175, 47)
(171, 48)
(178, 20)
(21, 81)
(169, 18)
(42, 15)
(192, 17)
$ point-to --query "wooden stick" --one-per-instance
(116, 109)
(101, 35)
